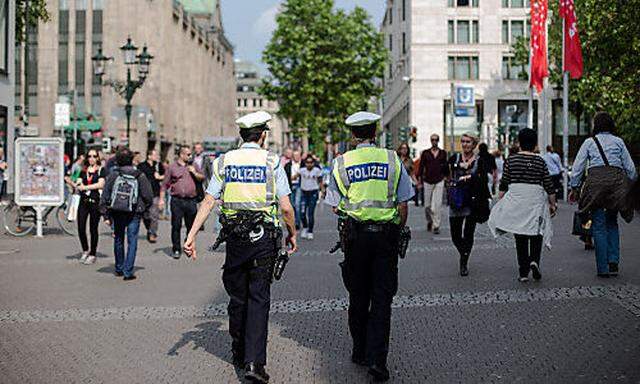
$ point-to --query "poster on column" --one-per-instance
(39, 171)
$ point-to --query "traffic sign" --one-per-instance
(465, 96)
(62, 114)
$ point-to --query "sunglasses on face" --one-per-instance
(92, 156)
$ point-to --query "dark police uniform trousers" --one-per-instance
(249, 289)
(370, 274)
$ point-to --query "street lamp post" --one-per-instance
(128, 88)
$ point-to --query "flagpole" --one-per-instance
(565, 114)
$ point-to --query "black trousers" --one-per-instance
(249, 289)
(91, 211)
(462, 233)
(181, 209)
(528, 248)
(370, 274)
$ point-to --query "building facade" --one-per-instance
(188, 95)
(7, 75)
(248, 80)
(436, 43)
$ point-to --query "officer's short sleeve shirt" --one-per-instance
(282, 185)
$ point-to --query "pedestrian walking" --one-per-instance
(554, 164)
(154, 172)
(251, 183)
(127, 195)
(527, 203)
(89, 185)
(292, 170)
(310, 185)
(468, 182)
(431, 176)
(180, 182)
(370, 188)
(605, 190)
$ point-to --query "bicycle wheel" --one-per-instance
(68, 226)
(18, 221)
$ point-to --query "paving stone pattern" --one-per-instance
(61, 322)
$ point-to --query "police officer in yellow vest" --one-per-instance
(249, 182)
(371, 188)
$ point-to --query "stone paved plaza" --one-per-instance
(62, 322)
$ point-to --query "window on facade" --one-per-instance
(463, 68)
(517, 30)
(463, 3)
(404, 10)
(32, 72)
(404, 43)
(245, 102)
(390, 43)
(239, 102)
(81, 27)
(96, 104)
(510, 71)
(451, 32)
(513, 29)
(475, 32)
(63, 67)
(390, 10)
(260, 102)
(4, 36)
(463, 32)
(516, 4)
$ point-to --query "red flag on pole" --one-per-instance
(539, 61)
(572, 47)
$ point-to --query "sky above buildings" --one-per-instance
(249, 23)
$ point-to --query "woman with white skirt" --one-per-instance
(527, 203)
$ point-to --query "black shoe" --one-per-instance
(380, 373)
(359, 360)
(535, 271)
(603, 275)
(589, 247)
(118, 274)
(177, 254)
(256, 373)
(436, 231)
(429, 227)
(129, 278)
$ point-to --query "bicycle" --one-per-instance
(19, 220)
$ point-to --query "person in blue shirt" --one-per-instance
(604, 194)
(554, 165)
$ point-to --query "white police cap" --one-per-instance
(253, 120)
(359, 119)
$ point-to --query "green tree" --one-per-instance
(37, 12)
(322, 65)
(610, 36)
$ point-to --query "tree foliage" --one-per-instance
(37, 12)
(610, 36)
(322, 65)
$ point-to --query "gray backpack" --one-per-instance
(124, 195)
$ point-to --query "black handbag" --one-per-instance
(582, 224)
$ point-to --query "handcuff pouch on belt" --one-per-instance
(347, 227)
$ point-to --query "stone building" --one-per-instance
(7, 74)
(189, 93)
(248, 80)
(434, 43)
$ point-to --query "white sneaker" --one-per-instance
(90, 260)
(303, 233)
(310, 236)
(84, 256)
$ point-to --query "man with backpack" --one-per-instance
(126, 196)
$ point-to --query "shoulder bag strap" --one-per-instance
(604, 157)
